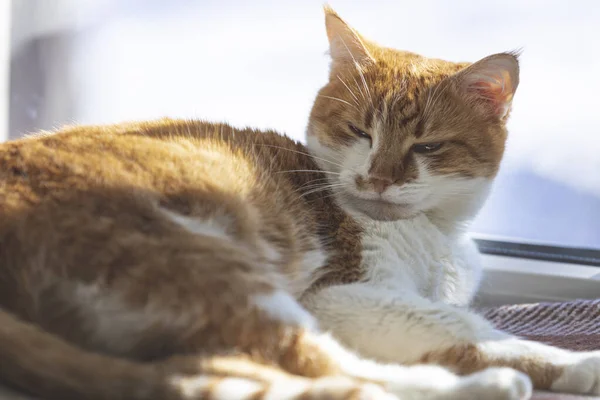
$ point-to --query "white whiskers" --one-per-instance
(323, 188)
(303, 153)
(308, 170)
(340, 100)
(349, 90)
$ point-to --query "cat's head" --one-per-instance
(401, 134)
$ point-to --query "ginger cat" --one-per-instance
(187, 260)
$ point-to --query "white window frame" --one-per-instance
(513, 280)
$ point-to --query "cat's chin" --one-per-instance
(379, 210)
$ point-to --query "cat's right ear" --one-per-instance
(346, 46)
(490, 84)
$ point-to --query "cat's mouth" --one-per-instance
(379, 209)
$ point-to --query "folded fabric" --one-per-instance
(573, 325)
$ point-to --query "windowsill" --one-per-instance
(510, 280)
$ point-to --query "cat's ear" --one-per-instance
(346, 46)
(490, 83)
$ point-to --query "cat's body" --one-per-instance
(149, 240)
(184, 260)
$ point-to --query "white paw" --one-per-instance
(370, 391)
(337, 388)
(328, 388)
(581, 375)
(436, 383)
(492, 384)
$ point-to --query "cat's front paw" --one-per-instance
(493, 384)
(581, 374)
(429, 382)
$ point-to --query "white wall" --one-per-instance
(4, 66)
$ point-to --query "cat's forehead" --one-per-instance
(411, 73)
(399, 86)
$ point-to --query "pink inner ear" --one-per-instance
(496, 89)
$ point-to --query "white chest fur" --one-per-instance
(415, 257)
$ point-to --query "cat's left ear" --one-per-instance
(490, 83)
(346, 46)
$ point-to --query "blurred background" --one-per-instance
(260, 63)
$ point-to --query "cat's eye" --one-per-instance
(359, 133)
(427, 147)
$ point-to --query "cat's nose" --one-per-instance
(380, 185)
